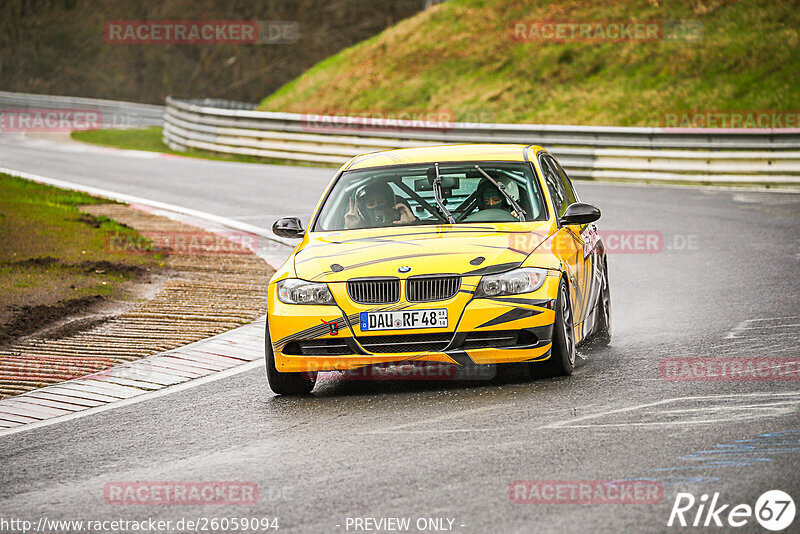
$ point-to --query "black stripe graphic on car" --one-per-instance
(544, 356)
(510, 315)
(493, 269)
(350, 251)
(390, 240)
(521, 300)
(518, 251)
(321, 330)
(460, 357)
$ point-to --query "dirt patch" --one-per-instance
(88, 266)
(30, 319)
(43, 261)
(21, 320)
(94, 222)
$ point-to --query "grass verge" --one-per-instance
(55, 259)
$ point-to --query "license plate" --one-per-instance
(403, 319)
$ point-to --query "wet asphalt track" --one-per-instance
(450, 450)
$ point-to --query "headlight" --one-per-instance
(511, 283)
(294, 291)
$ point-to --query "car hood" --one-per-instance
(466, 249)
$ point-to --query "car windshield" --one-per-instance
(406, 195)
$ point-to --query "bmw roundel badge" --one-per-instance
(404, 269)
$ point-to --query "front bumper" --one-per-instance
(482, 331)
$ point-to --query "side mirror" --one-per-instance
(288, 227)
(579, 213)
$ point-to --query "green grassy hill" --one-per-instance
(460, 58)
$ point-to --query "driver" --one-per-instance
(376, 207)
(491, 198)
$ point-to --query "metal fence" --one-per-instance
(112, 114)
(587, 152)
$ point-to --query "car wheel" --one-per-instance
(602, 336)
(562, 355)
(286, 383)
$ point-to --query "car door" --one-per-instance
(568, 243)
(589, 275)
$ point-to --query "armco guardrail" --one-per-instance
(112, 114)
(587, 152)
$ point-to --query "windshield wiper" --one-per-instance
(519, 213)
(437, 194)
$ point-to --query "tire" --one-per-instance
(602, 334)
(562, 355)
(285, 383)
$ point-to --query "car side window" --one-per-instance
(555, 186)
(565, 181)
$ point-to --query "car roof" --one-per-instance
(442, 153)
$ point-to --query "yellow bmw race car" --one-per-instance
(461, 255)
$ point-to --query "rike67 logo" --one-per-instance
(774, 510)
